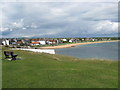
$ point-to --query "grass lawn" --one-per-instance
(37, 70)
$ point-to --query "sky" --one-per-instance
(58, 19)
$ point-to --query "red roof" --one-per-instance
(35, 43)
(19, 42)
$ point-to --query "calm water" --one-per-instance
(98, 51)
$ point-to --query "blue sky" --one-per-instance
(59, 19)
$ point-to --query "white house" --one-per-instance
(38, 42)
(52, 41)
(42, 42)
(6, 42)
(64, 39)
(49, 42)
(35, 43)
(70, 41)
(93, 39)
(83, 39)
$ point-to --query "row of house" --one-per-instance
(44, 41)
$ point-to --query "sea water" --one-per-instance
(107, 50)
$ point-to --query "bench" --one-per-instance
(10, 54)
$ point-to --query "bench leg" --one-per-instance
(13, 58)
(7, 57)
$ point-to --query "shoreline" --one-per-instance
(73, 45)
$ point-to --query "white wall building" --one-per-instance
(64, 39)
(6, 42)
(70, 41)
(42, 42)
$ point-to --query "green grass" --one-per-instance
(37, 70)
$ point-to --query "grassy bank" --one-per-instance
(37, 70)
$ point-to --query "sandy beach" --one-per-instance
(73, 45)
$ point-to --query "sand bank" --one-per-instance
(73, 45)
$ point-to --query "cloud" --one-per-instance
(106, 27)
(59, 19)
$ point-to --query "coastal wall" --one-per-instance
(50, 51)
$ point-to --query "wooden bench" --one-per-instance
(10, 54)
